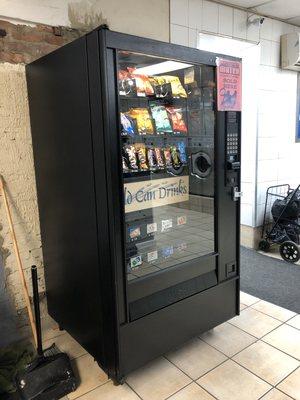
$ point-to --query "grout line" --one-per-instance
(253, 373)
(281, 391)
(88, 391)
(177, 391)
(130, 387)
(287, 376)
(269, 391)
(262, 338)
(277, 319)
(202, 387)
(171, 362)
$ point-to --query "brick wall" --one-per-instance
(21, 44)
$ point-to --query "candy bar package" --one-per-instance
(176, 116)
(143, 120)
(143, 85)
(159, 158)
(127, 84)
(127, 125)
(182, 152)
(161, 119)
(175, 157)
(124, 163)
(130, 152)
(134, 232)
(168, 157)
(136, 261)
(176, 86)
(142, 156)
(151, 158)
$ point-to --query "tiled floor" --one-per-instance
(253, 356)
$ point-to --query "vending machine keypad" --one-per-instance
(232, 144)
(232, 156)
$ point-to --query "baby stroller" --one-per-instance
(281, 222)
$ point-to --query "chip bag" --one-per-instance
(127, 125)
(176, 116)
(127, 84)
(161, 119)
(161, 88)
(143, 85)
(176, 86)
(143, 120)
(182, 152)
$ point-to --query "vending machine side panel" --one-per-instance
(59, 103)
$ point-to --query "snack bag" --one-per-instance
(127, 84)
(127, 125)
(161, 87)
(159, 158)
(176, 116)
(176, 86)
(168, 157)
(161, 119)
(182, 152)
(130, 152)
(142, 156)
(175, 157)
(151, 158)
(143, 120)
(124, 164)
(143, 85)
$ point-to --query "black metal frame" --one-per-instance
(116, 343)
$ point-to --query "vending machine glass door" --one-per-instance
(167, 136)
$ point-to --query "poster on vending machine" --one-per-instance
(229, 84)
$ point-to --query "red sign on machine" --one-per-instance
(229, 85)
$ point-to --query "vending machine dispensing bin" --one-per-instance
(138, 180)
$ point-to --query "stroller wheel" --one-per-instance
(289, 251)
(264, 245)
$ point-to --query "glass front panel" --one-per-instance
(167, 128)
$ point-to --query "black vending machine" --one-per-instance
(138, 180)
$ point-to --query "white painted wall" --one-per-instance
(276, 154)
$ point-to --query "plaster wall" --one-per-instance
(16, 166)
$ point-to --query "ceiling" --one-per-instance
(286, 10)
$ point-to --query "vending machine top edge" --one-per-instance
(138, 182)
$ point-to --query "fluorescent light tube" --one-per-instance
(160, 68)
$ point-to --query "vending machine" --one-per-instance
(138, 182)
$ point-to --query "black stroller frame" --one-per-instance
(281, 221)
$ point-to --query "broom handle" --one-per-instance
(19, 262)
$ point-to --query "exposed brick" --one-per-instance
(13, 58)
(55, 40)
(23, 44)
(28, 37)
